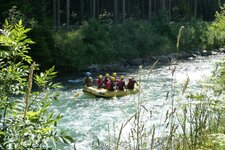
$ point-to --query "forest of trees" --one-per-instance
(68, 33)
(72, 12)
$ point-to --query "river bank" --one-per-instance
(126, 64)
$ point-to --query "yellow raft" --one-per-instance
(107, 94)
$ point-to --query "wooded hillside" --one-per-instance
(65, 13)
(72, 34)
(73, 12)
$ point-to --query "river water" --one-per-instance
(89, 119)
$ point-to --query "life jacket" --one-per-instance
(131, 83)
(99, 83)
(88, 81)
(111, 85)
(121, 85)
(105, 81)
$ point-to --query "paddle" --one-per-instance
(114, 96)
(77, 94)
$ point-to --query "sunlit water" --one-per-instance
(88, 119)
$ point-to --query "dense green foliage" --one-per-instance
(40, 22)
(104, 43)
(217, 34)
(25, 120)
(101, 43)
(104, 40)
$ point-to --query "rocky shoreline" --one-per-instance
(125, 64)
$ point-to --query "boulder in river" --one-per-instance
(164, 59)
(206, 53)
(136, 61)
(222, 50)
(148, 60)
(93, 68)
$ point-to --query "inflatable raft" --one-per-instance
(107, 94)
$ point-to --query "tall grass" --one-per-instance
(196, 124)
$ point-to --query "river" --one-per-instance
(89, 119)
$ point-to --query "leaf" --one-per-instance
(20, 22)
(6, 22)
(69, 138)
(53, 141)
(2, 133)
(185, 85)
(55, 123)
(50, 116)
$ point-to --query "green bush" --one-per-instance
(69, 50)
(194, 35)
(139, 39)
(25, 120)
(99, 43)
(42, 50)
(216, 31)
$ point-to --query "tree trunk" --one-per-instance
(155, 6)
(128, 8)
(195, 8)
(67, 14)
(97, 8)
(163, 5)
(143, 9)
(124, 10)
(81, 11)
(54, 13)
(149, 9)
(94, 9)
(58, 14)
(90, 9)
(207, 9)
(88, 12)
(169, 10)
(115, 10)
(138, 9)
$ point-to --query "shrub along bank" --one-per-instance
(99, 43)
(104, 42)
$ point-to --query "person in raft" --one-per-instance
(111, 84)
(88, 79)
(99, 82)
(115, 76)
(106, 80)
(131, 83)
(121, 84)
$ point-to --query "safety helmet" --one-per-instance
(100, 76)
(114, 74)
(88, 74)
(122, 77)
(107, 75)
(113, 79)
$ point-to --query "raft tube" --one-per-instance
(107, 94)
